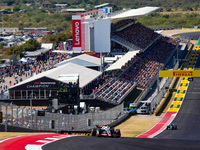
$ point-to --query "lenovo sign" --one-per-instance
(76, 31)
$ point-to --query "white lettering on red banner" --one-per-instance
(76, 30)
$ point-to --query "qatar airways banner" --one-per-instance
(76, 32)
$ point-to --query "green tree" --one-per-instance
(16, 8)
(31, 45)
(56, 38)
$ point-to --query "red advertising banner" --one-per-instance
(76, 33)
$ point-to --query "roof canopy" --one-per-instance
(62, 51)
(68, 77)
(105, 4)
(82, 60)
(47, 46)
(118, 64)
(75, 9)
(135, 13)
(86, 75)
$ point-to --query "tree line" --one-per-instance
(30, 45)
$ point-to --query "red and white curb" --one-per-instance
(39, 143)
(31, 142)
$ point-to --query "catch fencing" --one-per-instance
(165, 82)
(25, 118)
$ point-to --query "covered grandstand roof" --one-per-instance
(82, 60)
(118, 64)
(136, 12)
(86, 75)
(105, 4)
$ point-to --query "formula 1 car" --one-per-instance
(172, 127)
(105, 131)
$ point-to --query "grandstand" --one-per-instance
(137, 72)
(150, 50)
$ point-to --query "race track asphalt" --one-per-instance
(189, 35)
(96, 143)
(188, 118)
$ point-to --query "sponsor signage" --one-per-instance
(76, 133)
(76, 32)
(42, 83)
(179, 73)
(190, 79)
(182, 73)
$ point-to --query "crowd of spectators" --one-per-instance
(140, 70)
(147, 64)
(14, 73)
(121, 24)
(138, 35)
(113, 90)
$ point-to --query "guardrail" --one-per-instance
(127, 93)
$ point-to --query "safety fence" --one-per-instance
(165, 82)
(23, 117)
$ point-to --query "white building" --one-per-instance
(92, 30)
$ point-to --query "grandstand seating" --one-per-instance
(113, 90)
(148, 64)
(121, 24)
(138, 35)
(141, 69)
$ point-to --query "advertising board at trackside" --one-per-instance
(87, 133)
(179, 73)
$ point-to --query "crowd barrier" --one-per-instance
(23, 117)
(156, 101)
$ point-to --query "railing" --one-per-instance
(156, 100)
(125, 43)
(126, 94)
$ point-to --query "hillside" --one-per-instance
(169, 4)
(174, 13)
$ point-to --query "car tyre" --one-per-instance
(93, 131)
(118, 132)
(98, 133)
